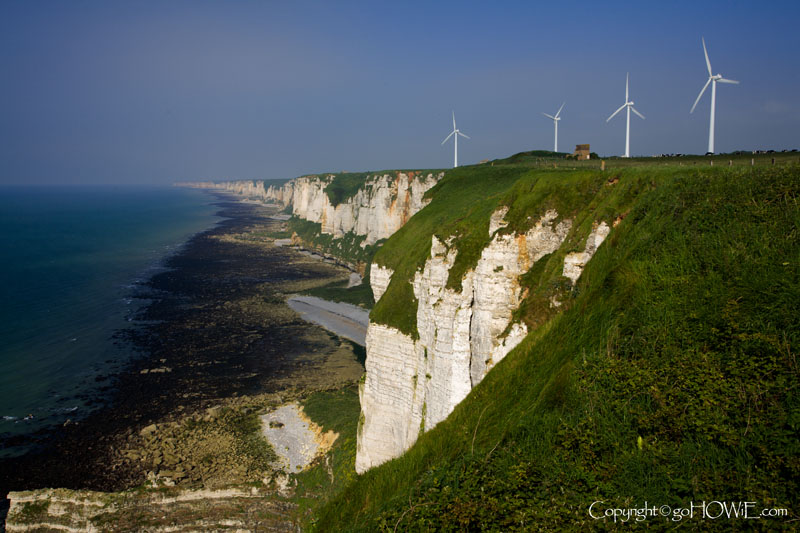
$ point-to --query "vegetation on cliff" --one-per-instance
(461, 206)
(344, 185)
(669, 377)
(347, 248)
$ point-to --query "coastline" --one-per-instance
(216, 329)
(77, 256)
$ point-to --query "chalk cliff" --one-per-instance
(413, 384)
(376, 208)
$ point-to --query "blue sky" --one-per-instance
(156, 92)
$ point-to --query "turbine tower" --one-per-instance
(712, 79)
(555, 124)
(455, 133)
(630, 107)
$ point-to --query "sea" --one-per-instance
(71, 260)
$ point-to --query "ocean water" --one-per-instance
(71, 260)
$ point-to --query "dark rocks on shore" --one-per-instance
(216, 328)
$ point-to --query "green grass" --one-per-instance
(347, 248)
(344, 185)
(462, 203)
(335, 410)
(681, 335)
(544, 159)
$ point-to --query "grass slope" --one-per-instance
(332, 410)
(461, 205)
(671, 376)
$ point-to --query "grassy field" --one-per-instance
(669, 377)
(541, 159)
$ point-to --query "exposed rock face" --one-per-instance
(391, 399)
(414, 384)
(379, 278)
(379, 208)
(575, 262)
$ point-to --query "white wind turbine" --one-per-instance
(555, 124)
(712, 79)
(455, 133)
(629, 105)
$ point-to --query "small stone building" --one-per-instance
(581, 152)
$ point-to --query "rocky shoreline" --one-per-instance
(219, 346)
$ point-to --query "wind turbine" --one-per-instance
(555, 124)
(629, 105)
(712, 79)
(455, 133)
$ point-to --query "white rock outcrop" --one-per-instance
(379, 278)
(412, 385)
(575, 262)
(391, 407)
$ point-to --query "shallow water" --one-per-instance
(72, 259)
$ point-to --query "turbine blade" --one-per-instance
(549, 116)
(723, 80)
(559, 110)
(617, 111)
(700, 95)
(708, 63)
(454, 120)
(448, 137)
(467, 136)
(626, 87)
(634, 110)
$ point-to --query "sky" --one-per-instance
(156, 92)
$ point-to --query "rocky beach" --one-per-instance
(219, 345)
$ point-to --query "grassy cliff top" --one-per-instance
(462, 202)
(670, 377)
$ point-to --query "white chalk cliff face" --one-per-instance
(575, 262)
(379, 208)
(412, 385)
(379, 278)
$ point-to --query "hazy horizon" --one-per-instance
(154, 93)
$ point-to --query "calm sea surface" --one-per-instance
(71, 259)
